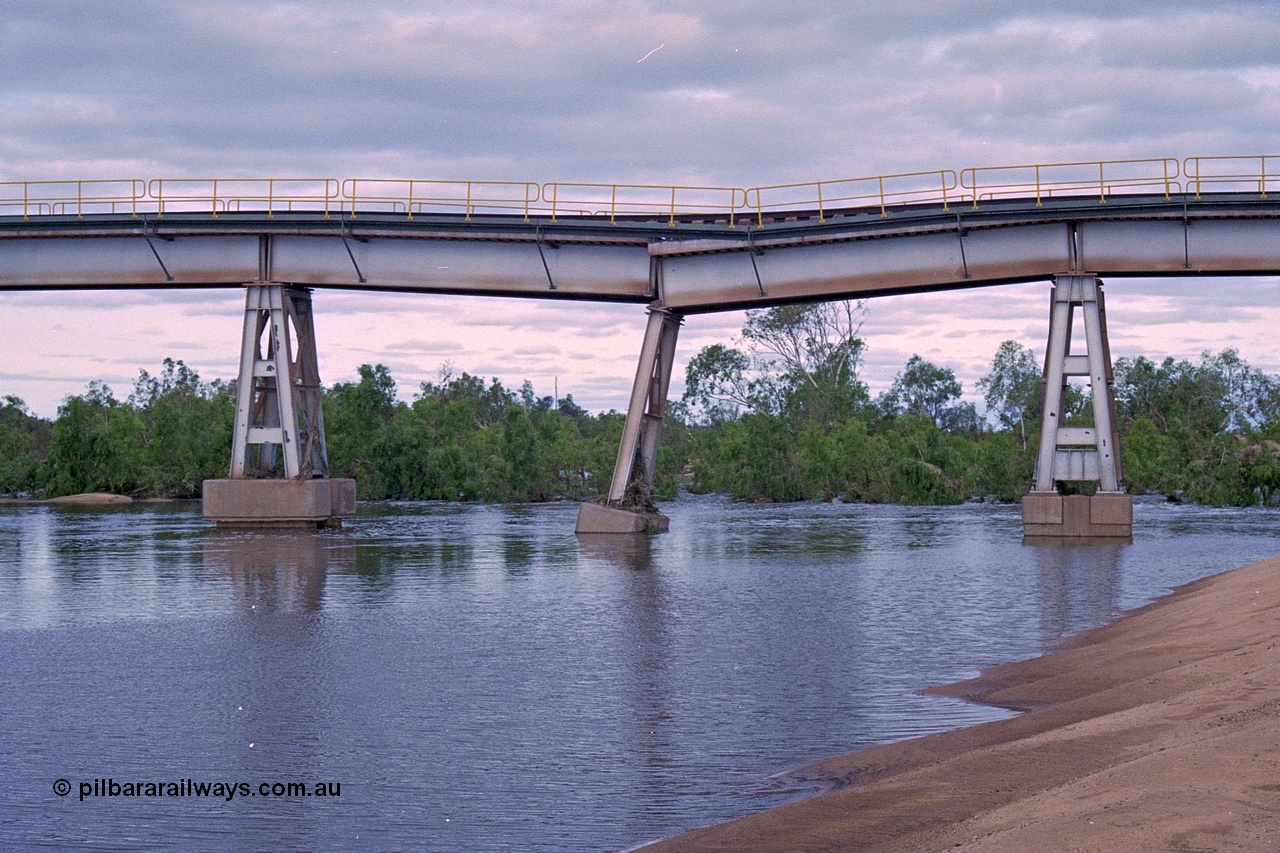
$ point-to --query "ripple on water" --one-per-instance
(477, 678)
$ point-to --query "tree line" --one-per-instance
(784, 414)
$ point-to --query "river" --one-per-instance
(476, 678)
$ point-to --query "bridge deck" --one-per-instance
(690, 261)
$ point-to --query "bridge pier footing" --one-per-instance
(1102, 515)
(303, 504)
(279, 423)
(629, 506)
(597, 518)
(1078, 453)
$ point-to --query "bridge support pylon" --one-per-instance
(1078, 453)
(279, 468)
(629, 506)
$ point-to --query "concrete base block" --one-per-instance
(280, 503)
(1104, 515)
(594, 518)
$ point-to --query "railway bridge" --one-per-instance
(679, 250)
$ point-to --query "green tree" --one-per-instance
(718, 386)
(1249, 396)
(520, 452)
(1171, 394)
(812, 353)
(1013, 388)
(24, 445)
(97, 444)
(923, 389)
(488, 404)
(800, 361)
(187, 426)
(355, 417)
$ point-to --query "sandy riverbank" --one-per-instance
(1160, 731)
(87, 499)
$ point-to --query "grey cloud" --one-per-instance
(740, 94)
(422, 347)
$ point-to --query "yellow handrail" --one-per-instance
(615, 201)
(468, 196)
(645, 200)
(1194, 170)
(1046, 179)
(261, 194)
(903, 188)
(81, 197)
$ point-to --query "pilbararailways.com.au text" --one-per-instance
(191, 788)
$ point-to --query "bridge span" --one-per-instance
(681, 250)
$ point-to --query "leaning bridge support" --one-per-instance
(1072, 453)
(279, 467)
(629, 507)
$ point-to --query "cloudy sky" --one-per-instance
(739, 93)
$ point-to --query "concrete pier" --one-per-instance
(1103, 515)
(595, 518)
(321, 502)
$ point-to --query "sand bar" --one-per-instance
(1159, 731)
(89, 498)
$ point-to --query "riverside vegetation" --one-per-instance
(783, 415)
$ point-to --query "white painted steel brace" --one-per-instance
(648, 404)
(1078, 453)
(278, 395)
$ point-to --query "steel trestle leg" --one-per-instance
(1078, 454)
(638, 450)
(278, 411)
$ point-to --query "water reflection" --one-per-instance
(278, 670)
(277, 571)
(645, 641)
(623, 552)
(1079, 582)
